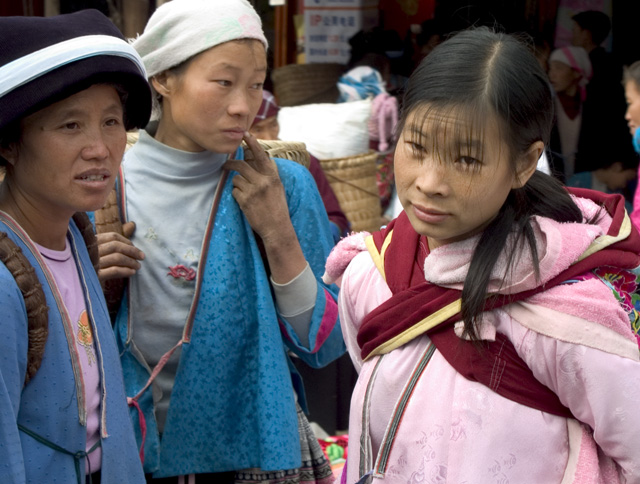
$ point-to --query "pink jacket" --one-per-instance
(575, 338)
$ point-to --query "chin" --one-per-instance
(224, 147)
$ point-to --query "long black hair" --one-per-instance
(491, 74)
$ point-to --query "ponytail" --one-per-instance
(542, 195)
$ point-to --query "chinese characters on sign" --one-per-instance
(329, 24)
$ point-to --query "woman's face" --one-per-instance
(563, 77)
(632, 93)
(451, 188)
(267, 129)
(212, 102)
(69, 154)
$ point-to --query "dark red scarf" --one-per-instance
(414, 299)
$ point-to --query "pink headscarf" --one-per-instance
(578, 59)
(268, 108)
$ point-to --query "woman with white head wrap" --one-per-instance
(224, 266)
(569, 73)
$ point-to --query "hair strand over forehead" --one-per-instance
(483, 73)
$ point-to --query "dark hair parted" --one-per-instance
(482, 75)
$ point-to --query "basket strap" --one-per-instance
(34, 300)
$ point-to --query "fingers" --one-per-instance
(257, 158)
(118, 256)
(115, 273)
(128, 229)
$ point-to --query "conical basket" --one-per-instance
(353, 179)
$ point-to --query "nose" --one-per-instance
(240, 103)
(96, 146)
(432, 179)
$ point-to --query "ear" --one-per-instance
(527, 164)
(10, 153)
(161, 82)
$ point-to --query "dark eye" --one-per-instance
(468, 161)
(416, 148)
(71, 125)
(113, 122)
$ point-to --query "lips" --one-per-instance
(93, 176)
(234, 133)
(430, 215)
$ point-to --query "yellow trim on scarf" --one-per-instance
(378, 257)
(606, 240)
(417, 329)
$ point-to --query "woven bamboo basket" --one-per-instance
(289, 150)
(353, 180)
(298, 84)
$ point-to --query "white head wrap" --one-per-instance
(576, 58)
(180, 29)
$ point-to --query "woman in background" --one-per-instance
(569, 73)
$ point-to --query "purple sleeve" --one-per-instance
(331, 204)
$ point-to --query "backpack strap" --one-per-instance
(34, 300)
(86, 230)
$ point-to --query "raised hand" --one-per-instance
(261, 197)
(259, 191)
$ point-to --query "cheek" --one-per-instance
(199, 99)
(255, 101)
(118, 146)
(634, 111)
(485, 196)
(400, 170)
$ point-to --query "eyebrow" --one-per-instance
(226, 65)
(474, 144)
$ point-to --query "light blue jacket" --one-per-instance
(51, 404)
(232, 406)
